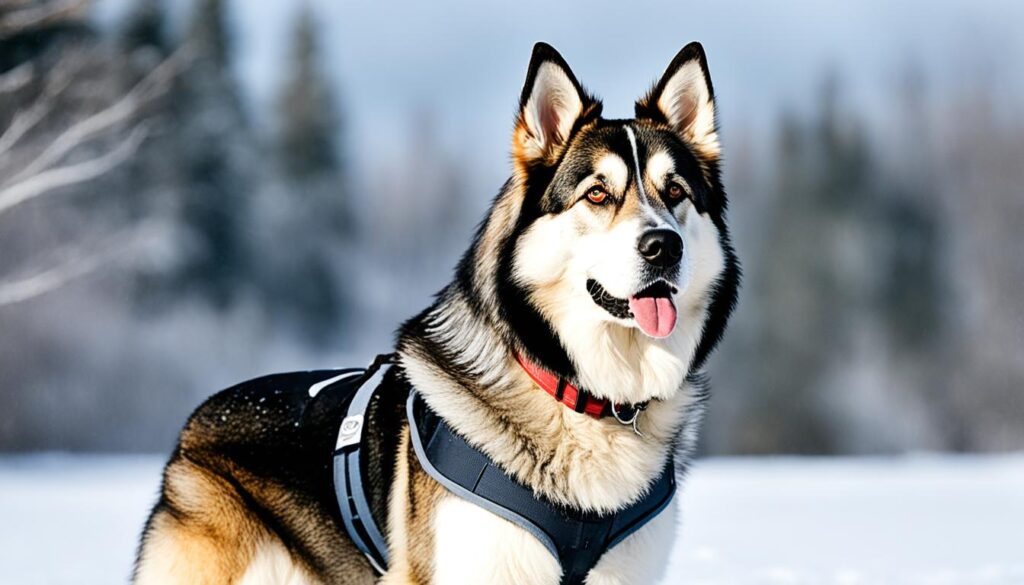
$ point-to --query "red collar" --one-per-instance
(575, 398)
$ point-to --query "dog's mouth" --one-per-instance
(652, 308)
(618, 308)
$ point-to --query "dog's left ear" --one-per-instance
(685, 100)
(552, 104)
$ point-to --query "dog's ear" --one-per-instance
(685, 100)
(551, 108)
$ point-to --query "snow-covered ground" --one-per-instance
(913, 520)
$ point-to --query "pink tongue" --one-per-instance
(655, 315)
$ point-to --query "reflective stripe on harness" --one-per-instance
(348, 475)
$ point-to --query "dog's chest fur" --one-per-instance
(573, 459)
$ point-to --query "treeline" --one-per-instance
(157, 243)
(882, 303)
(264, 222)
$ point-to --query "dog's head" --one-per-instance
(611, 254)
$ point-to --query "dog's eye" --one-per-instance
(675, 191)
(597, 195)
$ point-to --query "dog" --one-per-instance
(604, 263)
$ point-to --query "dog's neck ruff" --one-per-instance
(579, 399)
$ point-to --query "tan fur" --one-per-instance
(414, 500)
(206, 530)
(211, 540)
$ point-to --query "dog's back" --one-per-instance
(247, 495)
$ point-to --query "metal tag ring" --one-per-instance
(625, 421)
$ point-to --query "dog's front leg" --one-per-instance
(473, 546)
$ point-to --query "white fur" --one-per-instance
(659, 166)
(636, 166)
(706, 260)
(614, 171)
(611, 257)
(472, 546)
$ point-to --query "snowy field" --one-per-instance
(918, 520)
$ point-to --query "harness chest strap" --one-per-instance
(577, 539)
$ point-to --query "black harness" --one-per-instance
(576, 538)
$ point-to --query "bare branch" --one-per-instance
(51, 279)
(150, 86)
(127, 244)
(64, 176)
(26, 120)
(17, 78)
(40, 176)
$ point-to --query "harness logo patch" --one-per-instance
(350, 432)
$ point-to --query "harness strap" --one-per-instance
(348, 473)
(576, 538)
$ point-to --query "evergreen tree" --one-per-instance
(309, 122)
(811, 296)
(301, 280)
(207, 31)
(215, 150)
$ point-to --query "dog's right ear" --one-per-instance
(550, 109)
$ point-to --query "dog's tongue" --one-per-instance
(655, 315)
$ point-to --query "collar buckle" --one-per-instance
(629, 414)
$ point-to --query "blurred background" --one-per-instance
(197, 193)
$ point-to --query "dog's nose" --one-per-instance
(662, 248)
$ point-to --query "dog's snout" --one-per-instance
(661, 248)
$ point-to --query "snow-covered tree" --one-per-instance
(310, 202)
(214, 146)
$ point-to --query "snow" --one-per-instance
(916, 520)
(931, 520)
